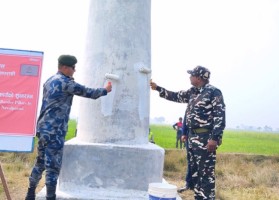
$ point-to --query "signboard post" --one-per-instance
(5, 186)
(20, 74)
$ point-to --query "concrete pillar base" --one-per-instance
(108, 171)
(96, 194)
(99, 194)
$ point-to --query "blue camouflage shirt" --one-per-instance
(58, 93)
(205, 109)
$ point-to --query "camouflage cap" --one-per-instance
(67, 60)
(200, 71)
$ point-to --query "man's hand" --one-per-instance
(108, 87)
(211, 145)
(184, 138)
(153, 85)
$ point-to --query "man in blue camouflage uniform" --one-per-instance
(52, 124)
(205, 118)
(188, 177)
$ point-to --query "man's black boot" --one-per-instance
(51, 190)
(186, 187)
(31, 194)
(51, 198)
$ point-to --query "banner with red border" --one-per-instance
(20, 75)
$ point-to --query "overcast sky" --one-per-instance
(237, 40)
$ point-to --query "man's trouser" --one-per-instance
(188, 176)
(178, 143)
(50, 153)
(202, 165)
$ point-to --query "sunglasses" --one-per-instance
(73, 67)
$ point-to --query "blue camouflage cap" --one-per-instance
(200, 71)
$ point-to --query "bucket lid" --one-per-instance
(162, 187)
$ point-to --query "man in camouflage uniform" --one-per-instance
(205, 118)
(52, 124)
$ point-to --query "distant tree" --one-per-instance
(158, 120)
(267, 128)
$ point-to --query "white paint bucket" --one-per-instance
(162, 191)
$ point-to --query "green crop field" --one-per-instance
(234, 141)
(250, 142)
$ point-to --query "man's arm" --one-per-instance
(180, 97)
(93, 93)
(219, 121)
(219, 117)
(174, 126)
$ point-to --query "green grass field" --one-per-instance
(250, 142)
(234, 141)
(71, 129)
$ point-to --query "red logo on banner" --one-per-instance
(20, 74)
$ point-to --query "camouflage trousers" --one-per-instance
(202, 166)
(49, 159)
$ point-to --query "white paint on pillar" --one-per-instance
(118, 43)
(142, 76)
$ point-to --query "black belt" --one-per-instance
(200, 130)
